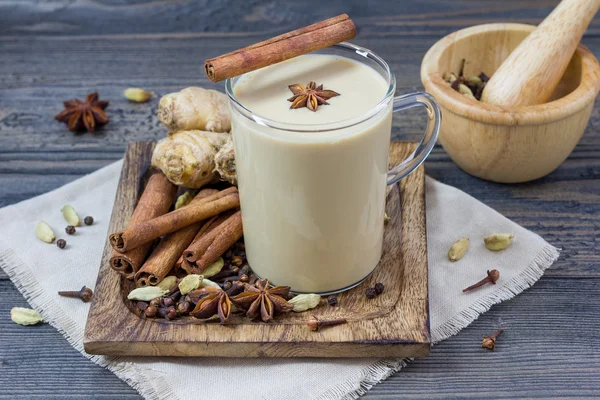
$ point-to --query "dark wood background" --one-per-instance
(53, 51)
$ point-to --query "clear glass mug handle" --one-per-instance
(418, 99)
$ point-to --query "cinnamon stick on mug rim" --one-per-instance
(147, 231)
(156, 199)
(280, 48)
(162, 258)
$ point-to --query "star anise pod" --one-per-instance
(79, 115)
(210, 301)
(261, 301)
(310, 96)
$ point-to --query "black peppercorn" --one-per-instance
(227, 285)
(88, 220)
(244, 278)
(70, 229)
(332, 300)
(379, 288)
(371, 293)
(142, 305)
(61, 243)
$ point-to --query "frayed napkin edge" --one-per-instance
(24, 280)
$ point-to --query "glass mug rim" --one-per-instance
(329, 126)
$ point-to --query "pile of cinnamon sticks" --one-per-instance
(191, 238)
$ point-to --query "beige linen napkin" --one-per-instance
(39, 270)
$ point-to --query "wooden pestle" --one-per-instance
(532, 71)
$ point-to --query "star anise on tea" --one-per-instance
(210, 301)
(261, 301)
(79, 115)
(310, 96)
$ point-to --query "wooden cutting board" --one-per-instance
(394, 324)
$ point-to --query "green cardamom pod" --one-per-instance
(498, 241)
(137, 95)
(25, 316)
(209, 283)
(304, 302)
(44, 232)
(473, 80)
(189, 283)
(458, 249)
(464, 89)
(449, 77)
(167, 283)
(71, 215)
(214, 268)
(146, 293)
(184, 199)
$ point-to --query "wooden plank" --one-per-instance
(226, 19)
(396, 323)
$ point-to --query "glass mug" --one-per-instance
(313, 195)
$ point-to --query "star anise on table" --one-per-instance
(79, 115)
(261, 301)
(210, 301)
(310, 96)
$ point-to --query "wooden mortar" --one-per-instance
(507, 144)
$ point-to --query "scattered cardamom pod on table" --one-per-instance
(25, 316)
(137, 95)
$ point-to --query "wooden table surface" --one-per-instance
(54, 51)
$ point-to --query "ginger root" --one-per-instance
(187, 158)
(225, 162)
(195, 108)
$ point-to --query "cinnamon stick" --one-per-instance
(147, 231)
(280, 48)
(226, 238)
(211, 246)
(160, 262)
(208, 226)
(154, 201)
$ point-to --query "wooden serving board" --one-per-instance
(394, 324)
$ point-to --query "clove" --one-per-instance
(489, 342)
(235, 289)
(168, 312)
(184, 307)
(492, 277)
(225, 273)
(150, 311)
(85, 294)
(315, 324)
